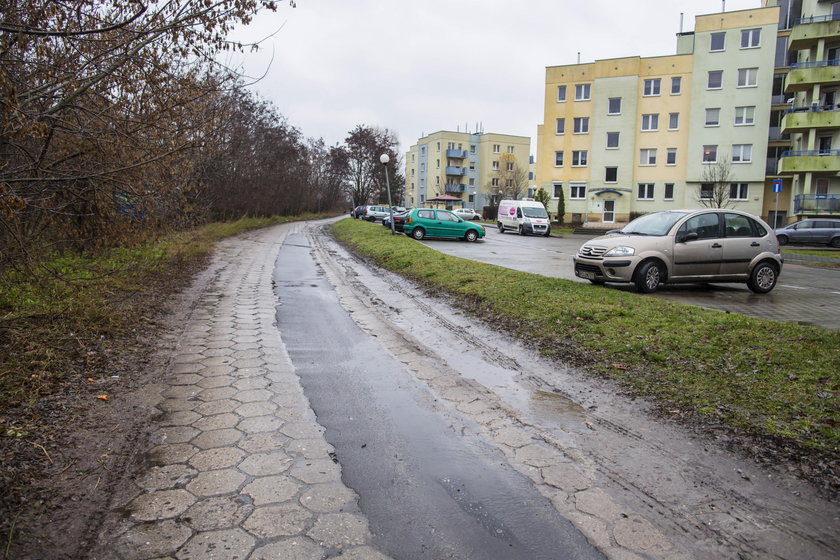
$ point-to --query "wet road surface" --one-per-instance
(427, 490)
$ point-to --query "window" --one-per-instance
(717, 41)
(611, 174)
(676, 85)
(673, 121)
(645, 191)
(647, 156)
(581, 125)
(652, 87)
(741, 153)
(497, 149)
(558, 159)
(715, 79)
(614, 106)
(612, 140)
(713, 117)
(671, 156)
(561, 126)
(510, 149)
(650, 122)
(579, 158)
(744, 115)
(747, 77)
(710, 154)
(494, 182)
(706, 192)
(558, 188)
(495, 166)
(577, 191)
(561, 94)
(509, 166)
(437, 164)
(705, 225)
(582, 92)
(472, 148)
(750, 38)
(669, 191)
(739, 191)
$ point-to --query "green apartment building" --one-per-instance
(462, 169)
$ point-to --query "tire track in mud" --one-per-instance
(725, 507)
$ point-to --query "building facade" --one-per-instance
(465, 169)
(624, 137)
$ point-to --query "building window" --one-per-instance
(750, 38)
(710, 154)
(717, 41)
(744, 115)
(438, 146)
(472, 148)
(713, 117)
(645, 191)
(558, 188)
(652, 87)
(676, 85)
(612, 140)
(647, 156)
(611, 174)
(561, 126)
(671, 156)
(650, 122)
(581, 125)
(577, 191)
(673, 121)
(706, 191)
(494, 182)
(614, 106)
(715, 79)
(495, 166)
(669, 191)
(747, 77)
(739, 191)
(558, 159)
(579, 158)
(510, 149)
(509, 166)
(497, 149)
(741, 153)
(582, 92)
(437, 163)
(561, 94)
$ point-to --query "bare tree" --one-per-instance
(366, 175)
(512, 179)
(715, 189)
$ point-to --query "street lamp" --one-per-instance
(385, 159)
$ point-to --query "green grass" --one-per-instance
(763, 377)
(813, 252)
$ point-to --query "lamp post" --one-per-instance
(385, 159)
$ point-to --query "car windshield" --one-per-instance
(534, 212)
(658, 223)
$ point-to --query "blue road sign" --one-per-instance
(777, 185)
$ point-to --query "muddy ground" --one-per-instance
(57, 477)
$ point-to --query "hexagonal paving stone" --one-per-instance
(284, 520)
(163, 504)
(271, 489)
(299, 430)
(248, 410)
(216, 483)
(340, 530)
(256, 443)
(217, 352)
(216, 407)
(215, 381)
(218, 361)
(326, 498)
(290, 549)
(165, 477)
(217, 393)
(217, 422)
(213, 371)
(184, 379)
(221, 512)
(180, 418)
(228, 544)
(249, 354)
(264, 464)
(253, 395)
(181, 391)
(177, 405)
(309, 448)
(260, 424)
(317, 471)
(187, 358)
(175, 434)
(172, 453)
(152, 540)
(193, 367)
(217, 438)
(217, 458)
(250, 383)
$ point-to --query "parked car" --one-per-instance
(467, 214)
(357, 211)
(428, 222)
(814, 231)
(399, 220)
(523, 217)
(376, 213)
(709, 245)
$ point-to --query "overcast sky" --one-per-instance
(419, 67)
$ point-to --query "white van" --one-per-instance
(523, 216)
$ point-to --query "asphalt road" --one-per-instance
(804, 295)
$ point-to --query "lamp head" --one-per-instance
(384, 159)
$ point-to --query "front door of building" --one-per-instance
(609, 211)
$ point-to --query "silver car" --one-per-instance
(814, 231)
(709, 245)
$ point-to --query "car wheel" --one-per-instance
(648, 277)
(835, 243)
(521, 230)
(763, 278)
(547, 233)
(418, 233)
(501, 227)
(471, 235)
(783, 240)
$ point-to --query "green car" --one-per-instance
(426, 222)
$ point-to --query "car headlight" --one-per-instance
(620, 252)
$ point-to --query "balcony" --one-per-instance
(776, 134)
(810, 161)
(802, 119)
(805, 75)
(807, 32)
(456, 171)
(455, 188)
(456, 154)
(816, 204)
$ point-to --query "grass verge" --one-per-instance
(777, 381)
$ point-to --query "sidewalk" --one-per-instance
(239, 467)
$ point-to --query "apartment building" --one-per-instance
(807, 113)
(462, 169)
(627, 136)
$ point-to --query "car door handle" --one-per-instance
(716, 245)
(755, 244)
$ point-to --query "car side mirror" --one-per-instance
(688, 237)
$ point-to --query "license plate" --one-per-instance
(586, 274)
